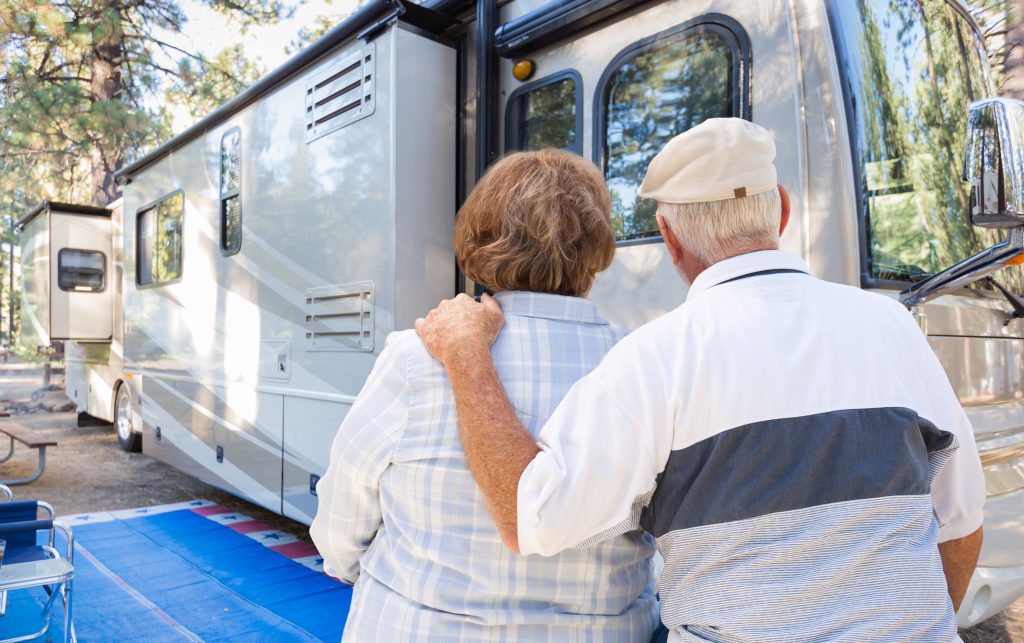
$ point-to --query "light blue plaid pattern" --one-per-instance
(401, 516)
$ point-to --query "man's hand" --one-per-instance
(460, 326)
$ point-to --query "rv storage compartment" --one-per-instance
(66, 273)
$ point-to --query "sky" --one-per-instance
(206, 29)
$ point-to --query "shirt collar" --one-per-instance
(745, 264)
(518, 303)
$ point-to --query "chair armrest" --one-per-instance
(6, 492)
(25, 525)
(61, 527)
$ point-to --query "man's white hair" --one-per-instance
(717, 230)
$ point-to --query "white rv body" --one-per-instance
(246, 363)
(243, 359)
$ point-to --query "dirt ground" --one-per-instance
(89, 472)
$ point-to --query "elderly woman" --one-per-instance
(400, 516)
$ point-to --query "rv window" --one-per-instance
(911, 70)
(81, 270)
(230, 192)
(653, 92)
(545, 114)
(160, 241)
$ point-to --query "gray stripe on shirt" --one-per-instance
(794, 463)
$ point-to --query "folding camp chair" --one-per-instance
(26, 563)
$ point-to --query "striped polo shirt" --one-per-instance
(793, 445)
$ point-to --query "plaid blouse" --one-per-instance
(402, 519)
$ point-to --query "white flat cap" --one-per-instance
(722, 158)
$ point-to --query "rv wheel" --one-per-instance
(128, 438)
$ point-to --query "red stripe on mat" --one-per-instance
(296, 550)
(211, 510)
(250, 526)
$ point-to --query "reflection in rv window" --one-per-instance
(230, 192)
(662, 90)
(146, 259)
(545, 117)
(914, 67)
(160, 241)
(81, 270)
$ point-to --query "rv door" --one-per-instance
(66, 274)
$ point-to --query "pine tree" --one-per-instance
(87, 84)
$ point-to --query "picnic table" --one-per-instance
(32, 440)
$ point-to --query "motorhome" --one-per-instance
(258, 260)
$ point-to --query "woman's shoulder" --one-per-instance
(406, 347)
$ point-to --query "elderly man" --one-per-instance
(793, 445)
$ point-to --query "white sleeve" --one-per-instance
(349, 513)
(600, 455)
(958, 487)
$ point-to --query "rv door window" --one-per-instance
(546, 114)
(912, 67)
(81, 270)
(158, 257)
(230, 192)
(654, 91)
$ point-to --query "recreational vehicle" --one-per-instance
(257, 261)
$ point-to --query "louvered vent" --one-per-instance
(340, 318)
(342, 94)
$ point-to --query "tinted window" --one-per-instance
(160, 241)
(653, 94)
(545, 116)
(81, 270)
(913, 67)
(230, 192)
(146, 257)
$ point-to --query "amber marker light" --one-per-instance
(523, 69)
(1016, 261)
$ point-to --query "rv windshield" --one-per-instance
(912, 68)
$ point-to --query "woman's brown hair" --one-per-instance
(538, 221)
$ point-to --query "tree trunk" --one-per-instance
(107, 85)
(1013, 84)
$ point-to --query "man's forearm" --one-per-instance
(959, 558)
(498, 448)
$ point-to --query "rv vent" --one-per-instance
(342, 94)
(340, 318)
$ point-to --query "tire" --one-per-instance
(124, 415)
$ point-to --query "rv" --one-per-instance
(225, 313)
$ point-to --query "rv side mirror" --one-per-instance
(994, 166)
(994, 162)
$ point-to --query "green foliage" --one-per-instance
(87, 85)
(81, 84)
(33, 354)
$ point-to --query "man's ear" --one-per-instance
(675, 249)
(784, 220)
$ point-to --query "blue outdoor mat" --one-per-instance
(188, 572)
